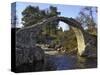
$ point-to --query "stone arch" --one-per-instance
(78, 30)
(76, 26)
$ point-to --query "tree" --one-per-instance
(86, 17)
(52, 27)
(32, 15)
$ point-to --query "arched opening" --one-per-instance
(69, 40)
(75, 27)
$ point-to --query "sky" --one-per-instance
(66, 11)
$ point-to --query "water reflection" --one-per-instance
(64, 62)
(86, 62)
(59, 62)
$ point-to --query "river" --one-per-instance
(65, 62)
(60, 62)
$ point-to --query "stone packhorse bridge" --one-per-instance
(25, 37)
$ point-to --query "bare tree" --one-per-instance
(86, 17)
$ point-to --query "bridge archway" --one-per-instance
(76, 26)
(78, 30)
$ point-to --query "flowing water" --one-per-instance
(65, 62)
(59, 62)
